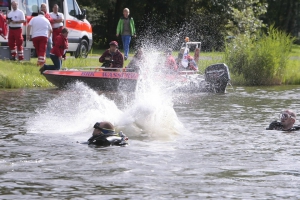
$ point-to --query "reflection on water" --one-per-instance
(218, 149)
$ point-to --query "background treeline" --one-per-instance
(208, 21)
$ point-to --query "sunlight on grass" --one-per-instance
(21, 75)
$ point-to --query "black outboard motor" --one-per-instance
(217, 76)
(106, 140)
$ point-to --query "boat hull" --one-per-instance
(100, 80)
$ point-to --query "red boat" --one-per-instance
(100, 79)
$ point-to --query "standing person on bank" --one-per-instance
(49, 41)
(58, 52)
(16, 18)
(127, 29)
(41, 31)
(57, 19)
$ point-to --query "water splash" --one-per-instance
(75, 111)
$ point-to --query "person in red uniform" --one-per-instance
(16, 18)
(57, 22)
(170, 60)
(58, 52)
(112, 57)
(41, 31)
(47, 15)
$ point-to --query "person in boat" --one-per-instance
(287, 121)
(170, 62)
(112, 57)
(103, 130)
(58, 52)
(137, 60)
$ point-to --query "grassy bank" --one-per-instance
(26, 74)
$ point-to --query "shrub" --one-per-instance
(262, 59)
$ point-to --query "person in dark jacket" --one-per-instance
(126, 28)
(287, 121)
(58, 52)
(112, 57)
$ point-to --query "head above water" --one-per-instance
(103, 128)
(287, 119)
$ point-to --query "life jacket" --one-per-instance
(3, 26)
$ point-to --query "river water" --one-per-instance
(182, 146)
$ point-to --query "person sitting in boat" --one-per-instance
(103, 130)
(137, 60)
(112, 57)
(287, 121)
(170, 62)
(58, 52)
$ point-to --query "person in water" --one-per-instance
(104, 129)
(112, 57)
(287, 121)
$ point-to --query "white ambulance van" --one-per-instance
(80, 30)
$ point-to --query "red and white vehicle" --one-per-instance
(80, 30)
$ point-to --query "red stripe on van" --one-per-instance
(78, 25)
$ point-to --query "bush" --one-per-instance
(260, 60)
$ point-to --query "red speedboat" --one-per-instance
(100, 79)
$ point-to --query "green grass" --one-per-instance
(26, 74)
(21, 75)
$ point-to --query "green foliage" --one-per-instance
(245, 17)
(261, 60)
(21, 75)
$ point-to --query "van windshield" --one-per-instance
(4, 3)
(31, 6)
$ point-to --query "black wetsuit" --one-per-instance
(275, 125)
(101, 140)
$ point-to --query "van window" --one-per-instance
(31, 6)
(5, 3)
(73, 8)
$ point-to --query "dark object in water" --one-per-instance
(275, 125)
(106, 140)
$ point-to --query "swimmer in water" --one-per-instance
(287, 121)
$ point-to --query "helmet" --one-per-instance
(115, 43)
(105, 127)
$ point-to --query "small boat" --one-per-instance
(214, 80)
(97, 78)
(186, 79)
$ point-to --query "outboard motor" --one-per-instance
(217, 76)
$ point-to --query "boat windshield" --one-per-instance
(31, 6)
